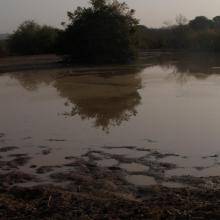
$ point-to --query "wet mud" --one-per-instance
(82, 188)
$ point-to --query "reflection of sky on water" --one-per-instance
(174, 100)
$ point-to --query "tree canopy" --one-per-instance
(101, 33)
(201, 34)
(31, 38)
(201, 23)
(107, 32)
(3, 48)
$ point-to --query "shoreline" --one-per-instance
(96, 184)
(35, 62)
(82, 189)
(102, 194)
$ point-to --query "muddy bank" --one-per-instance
(112, 182)
(48, 202)
(85, 190)
(37, 62)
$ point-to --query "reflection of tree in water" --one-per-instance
(185, 65)
(108, 112)
(109, 96)
(32, 80)
(108, 100)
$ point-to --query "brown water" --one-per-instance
(169, 103)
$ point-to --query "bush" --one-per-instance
(101, 33)
(201, 34)
(31, 38)
(3, 48)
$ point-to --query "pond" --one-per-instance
(166, 106)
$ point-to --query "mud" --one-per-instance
(18, 160)
(45, 169)
(24, 63)
(88, 191)
(2, 135)
(104, 184)
(14, 177)
(8, 148)
(56, 140)
(46, 151)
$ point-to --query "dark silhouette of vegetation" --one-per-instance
(201, 23)
(107, 32)
(101, 33)
(199, 34)
(31, 38)
(3, 48)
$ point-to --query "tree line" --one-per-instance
(30, 38)
(108, 32)
(198, 35)
(100, 33)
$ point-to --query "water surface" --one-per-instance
(170, 103)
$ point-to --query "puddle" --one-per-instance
(157, 104)
(131, 153)
(200, 172)
(134, 167)
(174, 185)
(107, 162)
(141, 180)
(189, 161)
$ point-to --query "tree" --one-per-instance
(102, 33)
(3, 48)
(201, 23)
(181, 20)
(31, 38)
(216, 21)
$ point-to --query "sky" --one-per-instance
(152, 13)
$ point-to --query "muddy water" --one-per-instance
(168, 104)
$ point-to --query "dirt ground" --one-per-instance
(50, 202)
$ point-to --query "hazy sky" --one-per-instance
(150, 12)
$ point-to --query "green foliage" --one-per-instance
(101, 33)
(31, 38)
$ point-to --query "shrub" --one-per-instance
(101, 33)
(31, 38)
